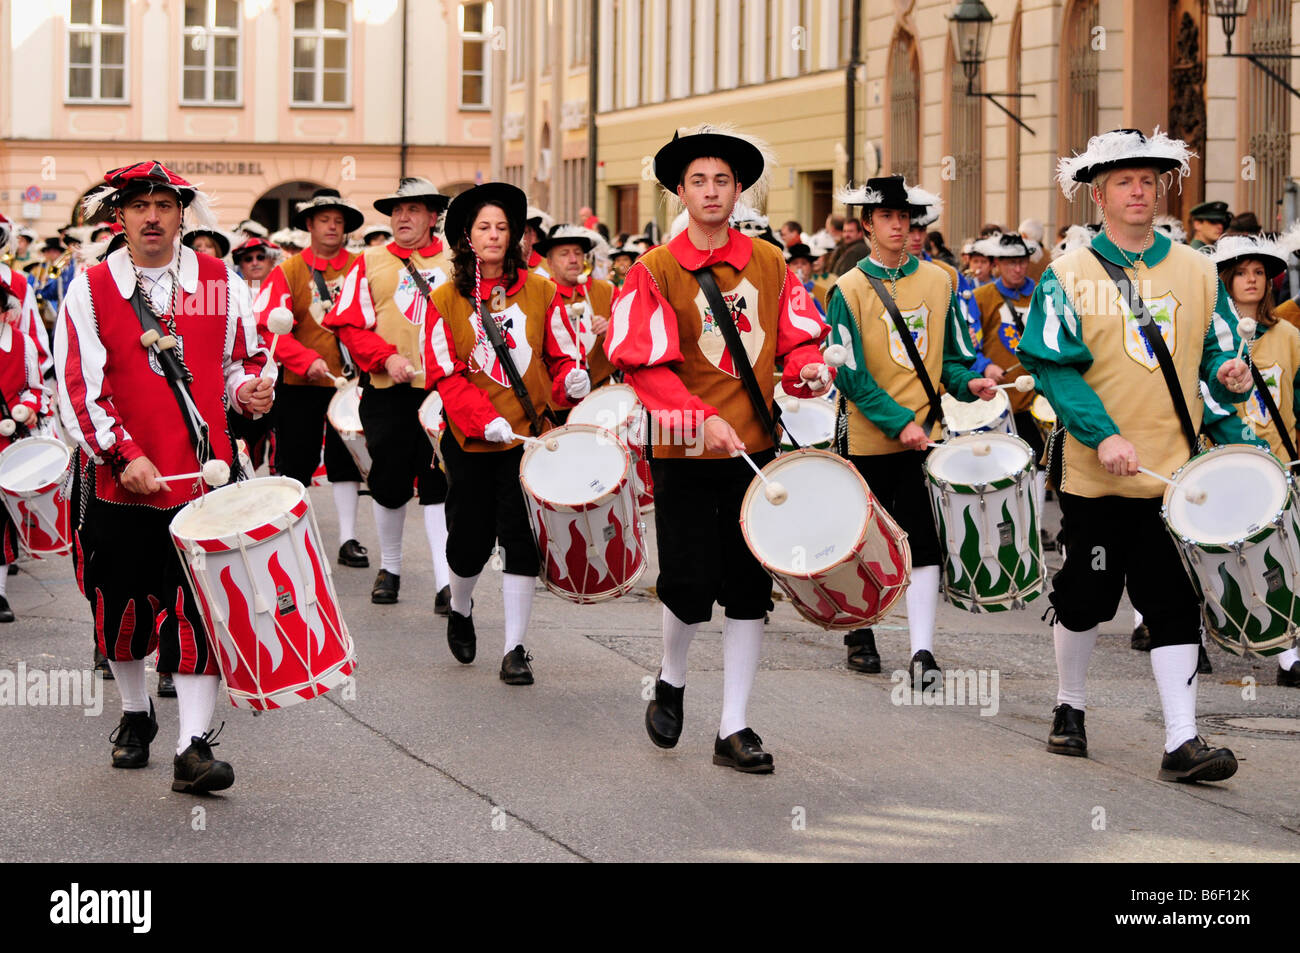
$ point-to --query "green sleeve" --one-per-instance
(958, 354)
(1052, 349)
(1220, 347)
(1222, 424)
(854, 380)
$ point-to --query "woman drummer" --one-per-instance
(1247, 265)
(481, 449)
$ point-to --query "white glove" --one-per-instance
(578, 384)
(498, 431)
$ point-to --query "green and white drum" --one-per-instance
(1241, 546)
(986, 510)
(811, 421)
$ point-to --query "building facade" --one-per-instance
(260, 101)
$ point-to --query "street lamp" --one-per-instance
(1228, 11)
(971, 25)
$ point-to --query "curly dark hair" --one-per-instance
(462, 262)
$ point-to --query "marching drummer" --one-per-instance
(139, 414)
(494, 327)
(894, 410)
(379, 316)
(669, 342)
(1247, 266)
(23, 403)
(314, 360)
(22, 295)
(587, 300)
(1124, 395)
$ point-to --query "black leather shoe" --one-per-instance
(166, 687)
(1289, 677)
(131, 738)
(663, 716)
(515, 669)
(1203, 666)
(742, 751)
(1048, 541)
(1141, 641)
(13, 569)
(1068, 736)
(385, 591)
(461, 638)
(863, 656)
(6, 614)
(101, 665)
(442, 601)
(195, 771)
(921, 666)
(1194, 760)
(353, 554)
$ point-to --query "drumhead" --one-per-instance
(810, 422)
(430, 412)
(955, 461)
(1042, 410)
(32, 463)
(586, 465)
(344, 411)
(1244, 489)
(964, 416)
(237, 508)
(820, 522)
(609, 407)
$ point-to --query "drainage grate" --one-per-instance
(1277, 723)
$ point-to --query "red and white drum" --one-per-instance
(253, 554)
(616, 407)
(344, 415)
(830, 546)
(36, 483)
(432, 422)
(584, 513)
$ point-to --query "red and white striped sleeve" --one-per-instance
(800, 330)
(245, 358)
(353, 319)
(85, 396)
(34, 396)
(560, 349)
(30, 324)
(467, 405)
(275, 293)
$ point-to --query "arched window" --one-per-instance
(964, 180)
(1078, 97)
(904, 108)
(1265, 115)
(1013, 128)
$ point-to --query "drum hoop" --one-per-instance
(1261, 530)
(44, 488)
(532, 448)
(232, 540)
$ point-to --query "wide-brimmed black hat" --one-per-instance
(322, 199)
(882, 191)
(414, 188)
(463, 208)
(216, 234)
(799, 250)
(745, 159)
(565, 234)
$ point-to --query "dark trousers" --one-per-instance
(258, 435)
(1027, 430)
(703, 557)
(898, 483)
(1113, 542)
(400, 452)
(300, 424)
(485, 503)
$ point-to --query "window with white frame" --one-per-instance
(322, 35)
(475, 32)
(210, 59)
(97, 51)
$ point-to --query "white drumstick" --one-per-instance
(1024, 383)
(339, 382)
(278, 322)
(978, 449)
(550, 443)
(214, 473)
(1195, 497)
(835, 355)
(1245, 330)
(775, 492)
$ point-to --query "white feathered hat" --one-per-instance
(927, 200)
(1231, 249)
(1005, 245)
(1076, 236)
(1119, 149)
(1172, 227)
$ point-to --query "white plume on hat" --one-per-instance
(932, 204)
(535, 212)
(1076, 236)
(821, 244)
(1172, 227)
(197, 212)
(859, 195)
(1247, 246)
(1120, 145)
(1034, 228)
(1289, 240)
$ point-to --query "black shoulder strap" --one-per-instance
(507, 363)
(1266, 397)
(913, 355)
(322, 289)
(1015, 313)
(1155, 341)
(768, 417)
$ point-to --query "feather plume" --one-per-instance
(1116, 145)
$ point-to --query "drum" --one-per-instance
(986, 510)
(810, 421)
(344, 415)
(977, 416)
(616, 407)
(1044, 416)
(583, 510)
(262, 579)
(831, 547)
(36, 483)
(1241, 546)
(432, 422)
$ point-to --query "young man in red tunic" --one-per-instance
(666, 340)
(116, 402)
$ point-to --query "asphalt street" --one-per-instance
(424, 759)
